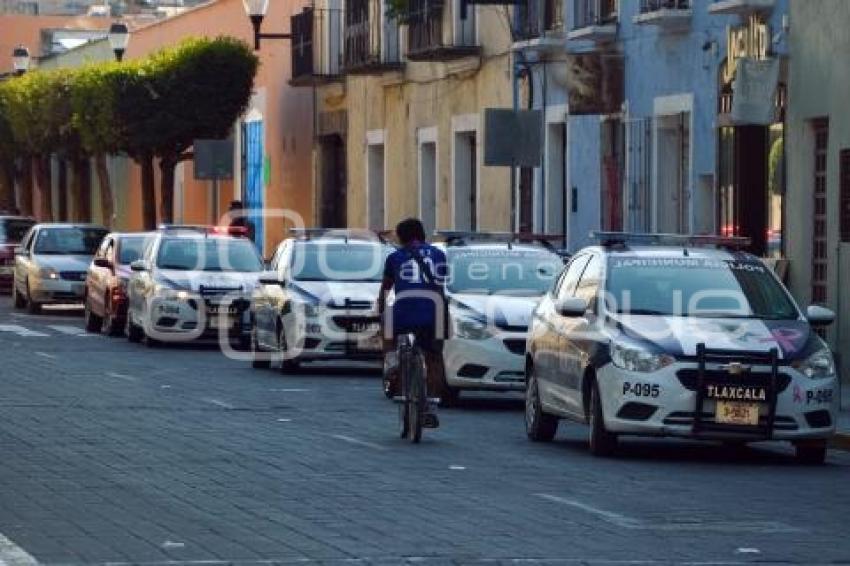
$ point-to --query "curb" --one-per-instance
(841, 441)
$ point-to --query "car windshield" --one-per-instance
(333, 261)
(696, 287)
(131, 249)
(13, 230)
(505, 271)
(68, 241)
(208, 254)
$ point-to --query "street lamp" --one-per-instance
(20, 60)
(119, 37)
(256, 11)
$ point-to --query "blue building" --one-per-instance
(659, 115)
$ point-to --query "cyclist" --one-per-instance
(417, 271)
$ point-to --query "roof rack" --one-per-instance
(342, 233)
(610, 239)
(461, 237)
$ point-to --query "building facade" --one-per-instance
(819, 166)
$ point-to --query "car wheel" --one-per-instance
(93, 322)
(812, 454)
(33, 307)
(150, 341)
(286, 365)
(602, 442)
(111, 325)
(17, 299)
(259, 359)
(133, 332)
(539, 426)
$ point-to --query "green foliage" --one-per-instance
(8, 150)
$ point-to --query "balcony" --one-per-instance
(435, 33)
(740, 7)
(316, 46)
(666, 14)
(371, 41)
(594, 20)
(539, 25)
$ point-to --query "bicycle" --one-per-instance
(413, 410)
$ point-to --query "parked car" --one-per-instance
(52, 262)
(192, 283)
(495, 281)
(106, 283)
(689, 337)
(318, 301)
(12, 232)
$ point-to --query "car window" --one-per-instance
(13, 230)
(571, 276)
(591, 278)
(208, 254)
(28, 240)
(101, 251)
(335, 261)
(68, 241)
(502, 271)
(130, 250)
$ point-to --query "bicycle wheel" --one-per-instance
(418, 398)
(404, 406)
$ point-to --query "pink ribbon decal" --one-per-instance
(785, 337)
(798, 394)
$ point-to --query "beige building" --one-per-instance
(399, 118)
(819, 163)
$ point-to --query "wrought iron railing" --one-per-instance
(371, 38)
(426, 33)
(536, 17)
(594, 13)
(316, 43)
(655, 5)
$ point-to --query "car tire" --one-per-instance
(287, 366)
(33, 307)
(811, 454)
(133, 332)
(17, 299)
(111, 325)
(150, 341)
(602, 443)
(93, 323)
(539, 426)
(259, 359)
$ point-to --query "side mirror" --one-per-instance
(269, 278)
(819, 316)
(571, 307)
(139, 265)
(102, 262)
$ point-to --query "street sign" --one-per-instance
(213, 159)
(513, 138)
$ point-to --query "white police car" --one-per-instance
(658, 335)
(193, 282)
(495, 281)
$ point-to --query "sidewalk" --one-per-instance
(842, 436)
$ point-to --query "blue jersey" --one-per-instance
(415, 312)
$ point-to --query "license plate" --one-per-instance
(370, 343)
(734, 413)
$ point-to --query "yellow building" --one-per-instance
(399, 111)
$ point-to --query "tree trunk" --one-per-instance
(63, 190)
(25, 186)
(148, 192)
(44, 177)
(7, 186)
(81, 197)
(166, 189)
(106, 203)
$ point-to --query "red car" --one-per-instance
(106, 282)
(12, 231)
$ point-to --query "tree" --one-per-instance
(8, 156)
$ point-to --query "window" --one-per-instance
(588, 287)
(571, 276)
(819, 251)
(844, 188)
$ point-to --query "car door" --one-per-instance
(137, 286)
(22, 260)
(264, 315)
(579, 335)
(97, 277)
(549, 335)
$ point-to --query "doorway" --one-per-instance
(375, 188)
(333, 193)
(672, 188)
(253, 177)
(466, 181)
(555, 200)
(428, 186)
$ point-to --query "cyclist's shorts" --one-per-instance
(425, 338)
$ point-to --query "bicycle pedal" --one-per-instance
(430, 420)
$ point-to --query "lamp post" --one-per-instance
(256, 11)
(119, 38)
(20, 60)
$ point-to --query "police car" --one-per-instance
(495, 281)
(659, 335)
(191, 283)
(318, 300)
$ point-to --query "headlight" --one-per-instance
(631, 358)
(169, 294)
(819, 365)
(469, 328)
(48, 273)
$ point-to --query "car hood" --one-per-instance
(679, 336)
(501, 310)
(193, 281)
(64, 262)
(338, 292)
